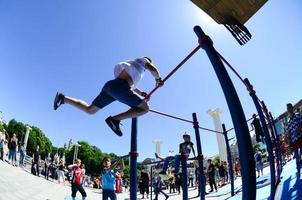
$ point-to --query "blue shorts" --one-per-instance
(117, 89)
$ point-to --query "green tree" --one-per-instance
(216, 160)
(1, 127)
(37, 137)
(16, 127)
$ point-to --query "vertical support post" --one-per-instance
(201, 178)
(184, 174)
(241, 129)
(28, 129)
(231, 171)
(151, 185)
(278, 143)
(133, 160)
(266, 136)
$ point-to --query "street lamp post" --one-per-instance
(76, 150)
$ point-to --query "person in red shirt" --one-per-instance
(77, 178)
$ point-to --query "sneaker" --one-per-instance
(114, 125)
(59, 100)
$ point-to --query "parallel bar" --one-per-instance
(201, 178)
(241, 129)
(267, 137)
(231, 172)
(133, 160)
(120, 157)
(246, 121)
(182, 119)
(171, 116)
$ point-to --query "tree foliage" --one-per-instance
(15, 127)
(216, 160)
(90, 155)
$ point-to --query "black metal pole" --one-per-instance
(231, 172)
(201, 179)
(133, 160)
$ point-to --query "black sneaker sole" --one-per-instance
(109, 123)
(58, 101)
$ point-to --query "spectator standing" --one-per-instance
(259, 163)
(172, 184)
(211, 175)
(126, 184)
(236, 168)
(191, 178)
(36, 161)
(12, 157)
(221, 170)
(2, 143)
(145, 183)
(77, 179)
(294, 128)
(61, 172)
(47, 165)
(177, 182)
(22, 151)
(108, 179)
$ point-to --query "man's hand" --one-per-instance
(159, 82)
(144, 94)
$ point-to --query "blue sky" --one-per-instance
(72, 46)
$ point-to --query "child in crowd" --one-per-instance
(77, 178)
(108, 179)
(184, 149)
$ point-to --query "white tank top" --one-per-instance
(135, 69)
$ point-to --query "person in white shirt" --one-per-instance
(123, 88)
(2, 143)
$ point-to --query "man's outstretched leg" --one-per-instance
(133, 112)
(80, 104)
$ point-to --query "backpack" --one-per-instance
(77, 176)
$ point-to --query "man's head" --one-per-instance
(148, 59)
(107, 162)
(78, 162)
(254, 115)
(186, 136)
(290, 108)
(37, 147)
(209, 161)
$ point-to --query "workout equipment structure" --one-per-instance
(232, 14)
(246, 154)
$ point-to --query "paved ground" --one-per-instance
(17, 184)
